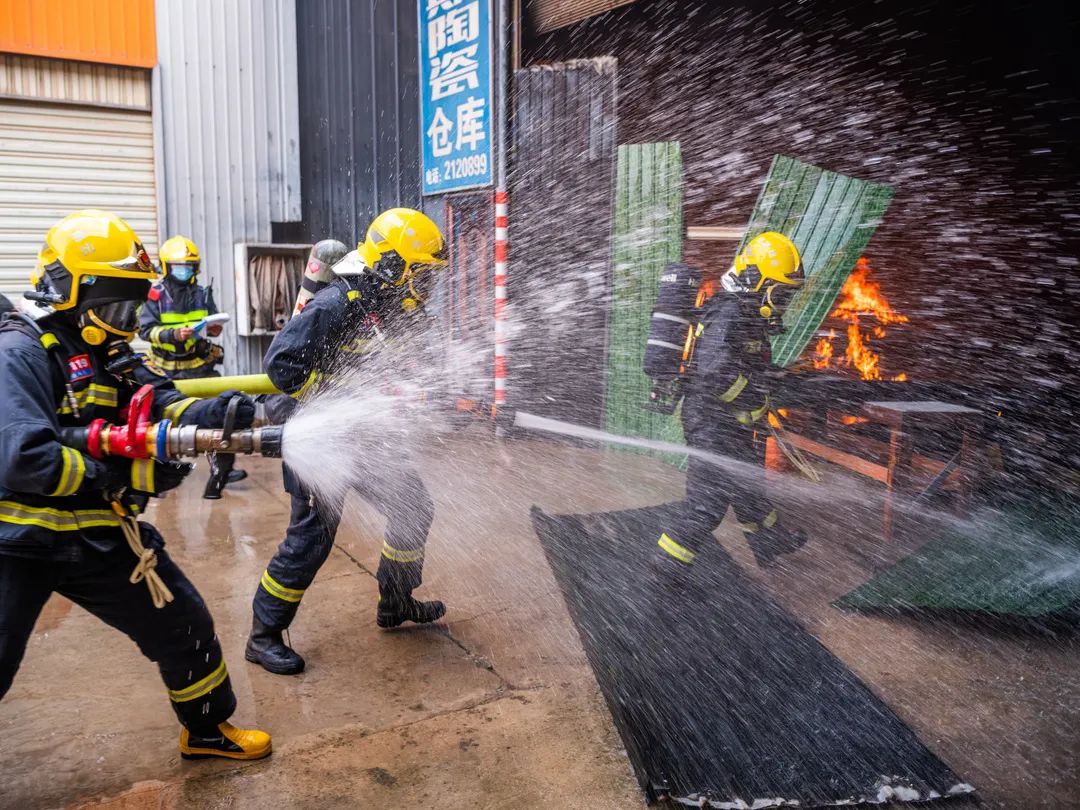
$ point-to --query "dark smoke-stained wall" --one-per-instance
(971, 113)
(359, 113)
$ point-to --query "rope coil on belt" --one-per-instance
(144, 569)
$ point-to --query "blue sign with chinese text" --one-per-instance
(455, 94)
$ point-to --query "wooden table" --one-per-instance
(903, 465)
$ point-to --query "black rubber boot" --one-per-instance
(668, 574)
(395, 609)
(221, 473)
(266, 648)
(768, 544)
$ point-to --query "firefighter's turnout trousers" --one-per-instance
(396, 491)
(178, 637)
(712, 488)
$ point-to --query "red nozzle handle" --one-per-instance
(132, 437)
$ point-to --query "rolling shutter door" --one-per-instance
(58, 158)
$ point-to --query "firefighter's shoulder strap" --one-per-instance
(18, 321)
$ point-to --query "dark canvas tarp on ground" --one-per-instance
(718, 694)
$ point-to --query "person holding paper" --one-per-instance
(178, 319)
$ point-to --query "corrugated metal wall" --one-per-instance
(561, 179)
(229, 152)
(359, 105)
(40, 79)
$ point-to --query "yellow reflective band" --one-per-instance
(759, 412)
(57, 520)
(72, 472)
(402, 555)
(142, 475)
(177, 365)
(770, 519)
(352, 295)
(201, 687)
(735, 389)
(103, 395)
(276, 589)
(314, 378)
(680, 553)
(174, 409)
(184, 318)
(48, 340)
(359, 346)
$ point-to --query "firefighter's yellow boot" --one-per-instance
(230, 742)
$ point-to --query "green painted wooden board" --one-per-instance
(1016, 564)
(647, 237)
(831, 218)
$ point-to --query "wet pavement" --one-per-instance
(496, 707)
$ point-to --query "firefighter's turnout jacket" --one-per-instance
(339, 326)
(169, 307)
(50, 495)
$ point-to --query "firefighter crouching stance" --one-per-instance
(174, 307)
(374, 284)
(725, 388)
(66, 519)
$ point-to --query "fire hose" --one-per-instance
(143, 438)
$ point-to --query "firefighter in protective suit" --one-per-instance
(374, 284)
(725, 387)
(67, 519)
(174, 307)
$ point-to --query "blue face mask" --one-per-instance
(182, 272)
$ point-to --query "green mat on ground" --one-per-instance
(830, 217)
(1012, 563)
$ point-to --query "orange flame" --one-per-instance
(860, 297)
(823, 352)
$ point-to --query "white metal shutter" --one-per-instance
(58, 158)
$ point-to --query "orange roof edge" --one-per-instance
(112, 32)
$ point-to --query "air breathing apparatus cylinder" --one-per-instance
(317, 274)
(671, 334)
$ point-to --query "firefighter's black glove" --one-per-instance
(154, 477)
(109, 475)
(169, 475)
(213, 415)
(665, 395)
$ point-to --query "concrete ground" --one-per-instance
(497, 707)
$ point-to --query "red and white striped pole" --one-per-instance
(502, 121)
(501, 245)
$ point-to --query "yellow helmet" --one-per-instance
(398, 242)
(770, 264)
(180, 259)
(93, 263)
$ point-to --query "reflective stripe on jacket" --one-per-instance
(50, 495)
(168, 308)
